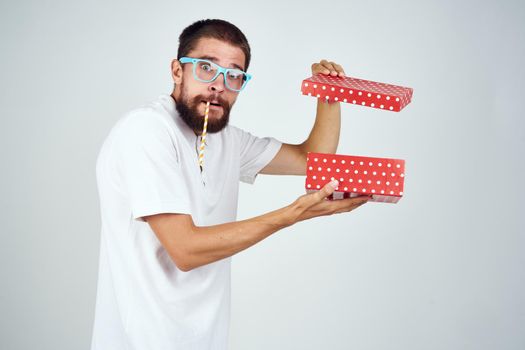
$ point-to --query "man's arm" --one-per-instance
(324, 137)
(191, 246)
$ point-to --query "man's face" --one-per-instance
(192, 95)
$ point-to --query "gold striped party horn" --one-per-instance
(203, 135)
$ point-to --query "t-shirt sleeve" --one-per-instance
(256, 153)
(149, 167)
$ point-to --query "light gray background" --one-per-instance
(443, 269)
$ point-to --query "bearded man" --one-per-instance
(169, 225)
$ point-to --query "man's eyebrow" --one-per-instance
(214, 60)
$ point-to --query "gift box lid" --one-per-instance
(357, 91)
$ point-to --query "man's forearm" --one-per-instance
(212, 243)
(191, 246)
(324, 137)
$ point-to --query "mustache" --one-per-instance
(190, 112)
(205, 98)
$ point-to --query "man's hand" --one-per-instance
(316, 204)
(328, 68)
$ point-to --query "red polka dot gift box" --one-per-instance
(383, 178)
(357, 91)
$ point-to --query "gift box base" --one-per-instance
(380, 178)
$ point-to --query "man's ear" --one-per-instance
(176, 71)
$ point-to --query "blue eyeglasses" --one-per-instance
(207, 71)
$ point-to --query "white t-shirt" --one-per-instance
(149, 165)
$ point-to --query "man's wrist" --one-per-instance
(289, 215)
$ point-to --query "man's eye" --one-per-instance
(206, 67)
(234, 75)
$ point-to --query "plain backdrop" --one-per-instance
(442, 269)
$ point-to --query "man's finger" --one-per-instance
(333, 69)
(353, 201)
(351, 204)
(347, 210)
(327, 190)
(319, 68)
(330, 67)
(320, 196)
(339, 69)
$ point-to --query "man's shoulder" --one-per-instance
(239, 133)
(149, 117)
(232, 130)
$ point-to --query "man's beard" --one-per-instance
(188, 111)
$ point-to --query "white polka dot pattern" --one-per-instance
(363, 92)
(357, 176)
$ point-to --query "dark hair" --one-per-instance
(216, 29)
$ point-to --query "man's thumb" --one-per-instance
(329, 188)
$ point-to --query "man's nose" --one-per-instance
(218, 84)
